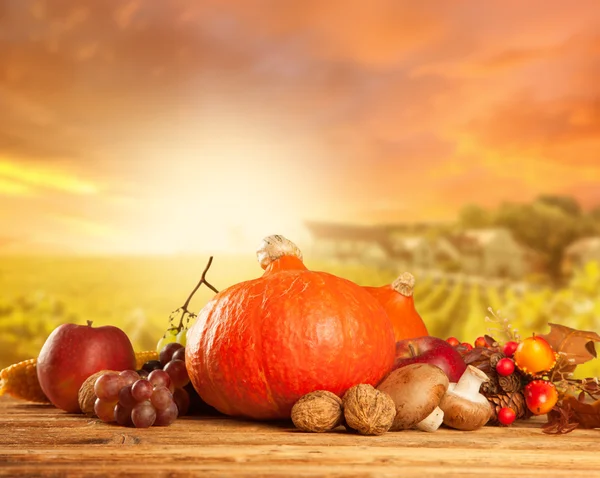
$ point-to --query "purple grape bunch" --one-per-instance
(152, 396)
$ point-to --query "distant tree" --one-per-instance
(473, 216)
(567, 204)
(547, 226)
(595, 214)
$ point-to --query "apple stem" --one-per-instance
(412, 350)
(89, 323)
(184, 307)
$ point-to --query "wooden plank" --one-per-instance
(40, 440)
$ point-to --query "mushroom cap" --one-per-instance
(417, 389)
(465, 413)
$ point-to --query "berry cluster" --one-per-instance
(465, 347)
(154, 395)
(516, 367)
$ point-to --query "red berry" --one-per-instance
(481, 342)
(509, 348)
(468, 347)
(506, 416)
(505, 367)
(453, 341)
(540, 396)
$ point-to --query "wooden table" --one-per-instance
(38, 440)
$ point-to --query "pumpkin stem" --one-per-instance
(275, 247)
(404, 284)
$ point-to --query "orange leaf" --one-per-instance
(586, 414)
(577, 345)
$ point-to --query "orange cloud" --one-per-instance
(381, 112)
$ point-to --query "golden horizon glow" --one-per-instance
(26, 179)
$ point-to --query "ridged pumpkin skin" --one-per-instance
(260, 345)
(398, 301)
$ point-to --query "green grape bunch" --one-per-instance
(180, 318)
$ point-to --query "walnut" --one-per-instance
(86, 396)
(368, 410)
(318, 411)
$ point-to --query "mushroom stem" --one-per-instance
(469, 383)
(431, 422)
(464, 407)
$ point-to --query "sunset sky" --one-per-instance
(181, 126)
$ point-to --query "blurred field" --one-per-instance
(139, 293)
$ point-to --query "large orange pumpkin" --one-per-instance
(398, 301)
(260, 345)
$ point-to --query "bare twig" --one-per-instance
(184, 308)
(186, 315)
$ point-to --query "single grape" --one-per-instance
(141, 390)
(107, 386)
(128, 377)
(161, 398)
(167, 416)
(160, 377)
(178, 373)
(143, 414)
(152, 365)
(143, 373)
(182, 400)
(123, 415)
(166, 354)
(105, 410)
(179, 355)
(169, 337)
(126, 398)
(182, 337)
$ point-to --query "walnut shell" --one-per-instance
(319, 411)
(86, 396)
(368, 410)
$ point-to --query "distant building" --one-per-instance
(490, 252)
(580, 252)
(484, 252)
(350, 243)
(411, 251)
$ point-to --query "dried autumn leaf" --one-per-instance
(576, 345)
(586, 414)
(560, 420)
(479, 357)
(490, 341)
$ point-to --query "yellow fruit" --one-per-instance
(20, 381)
(534, 356)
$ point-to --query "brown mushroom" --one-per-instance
(417, 390)
(464, 407)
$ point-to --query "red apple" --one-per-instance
(433, 351)
(73, 352)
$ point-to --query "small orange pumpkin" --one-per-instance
(398, 301)
(260, 345)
